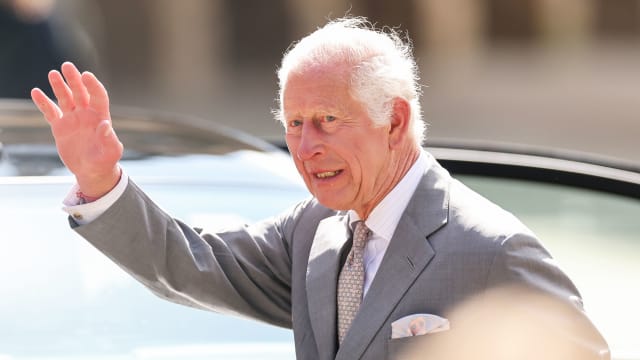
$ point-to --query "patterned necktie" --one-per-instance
(351, 280)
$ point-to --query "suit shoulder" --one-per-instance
(472, 212)
(304, 215)
(307, 209)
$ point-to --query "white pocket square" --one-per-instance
(418, 324)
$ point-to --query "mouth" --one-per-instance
(327, 174)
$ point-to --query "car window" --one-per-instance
(594, 236)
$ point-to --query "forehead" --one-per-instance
(317, 88)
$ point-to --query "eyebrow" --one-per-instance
(298, 115)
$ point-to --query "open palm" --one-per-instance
(81, 126)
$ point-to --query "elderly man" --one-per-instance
(389, 241)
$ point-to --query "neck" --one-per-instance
(404, 160)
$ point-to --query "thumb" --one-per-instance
(105, 129)
(112, 147)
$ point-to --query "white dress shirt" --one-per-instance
(382, 221)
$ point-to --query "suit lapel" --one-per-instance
(408, 254)
(322, 277)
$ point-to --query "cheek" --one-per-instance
(292, 146)
(302, 172)
(371, 165)
(291, 142)
(299, 166)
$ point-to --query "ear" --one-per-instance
(399, 123)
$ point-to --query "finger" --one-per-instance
(98, 96)
(79, 91)
(61, 91)
(46, 106)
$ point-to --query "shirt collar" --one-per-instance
(385, 217)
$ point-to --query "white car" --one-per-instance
(62, 299)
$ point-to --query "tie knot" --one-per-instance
(360, 235)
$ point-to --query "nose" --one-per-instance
(311, 143)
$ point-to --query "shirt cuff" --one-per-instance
(86, 213)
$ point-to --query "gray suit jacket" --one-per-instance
(450, 244)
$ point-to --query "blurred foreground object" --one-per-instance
(513, 323)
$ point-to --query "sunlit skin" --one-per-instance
(345, 161)
(81, 127)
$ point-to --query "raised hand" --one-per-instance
(81, 126)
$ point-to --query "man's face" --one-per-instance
(344, 160)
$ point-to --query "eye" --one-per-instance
(294, 126)
(329, 118)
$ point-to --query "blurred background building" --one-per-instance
(560, 73)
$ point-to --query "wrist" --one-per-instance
(95, 187)
(85, 199)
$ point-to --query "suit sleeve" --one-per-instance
(244, 271)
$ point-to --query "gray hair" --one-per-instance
(383, 67)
